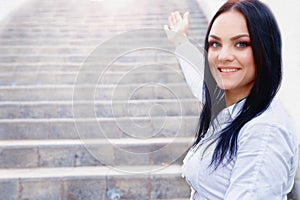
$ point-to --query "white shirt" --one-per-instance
(266, 161)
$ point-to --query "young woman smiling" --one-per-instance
(230, 56)
(245, 147)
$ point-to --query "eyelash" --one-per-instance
(243, 44)
(212, 43)
(239, 44)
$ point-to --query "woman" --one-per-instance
(246, 147)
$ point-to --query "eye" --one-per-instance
(214, 44)
(242, 44)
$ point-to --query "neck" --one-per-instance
(232, 97)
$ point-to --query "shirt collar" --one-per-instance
(230, 113)
(235, 109)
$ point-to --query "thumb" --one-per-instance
(167, 30)
(166, 27)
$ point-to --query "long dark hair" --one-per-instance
(266, 46)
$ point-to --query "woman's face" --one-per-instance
(230, 53)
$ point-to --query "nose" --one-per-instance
(225, 54)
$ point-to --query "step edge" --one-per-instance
(66, 102)
(112, 141)
(107, 119)
(98, 171)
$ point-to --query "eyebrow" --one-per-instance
(233, 38)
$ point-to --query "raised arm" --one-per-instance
(191, 59)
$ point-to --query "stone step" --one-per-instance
(65, 78)
(93, 152)
(73, 128)
(46, 67)
(105, 109)
(140, 39)
(44, 50)
(98, 183)
(137, 57)
(150, 19)
(33, 29)
(85, 43)
(73, 67)
(56, 28)
(95, 92)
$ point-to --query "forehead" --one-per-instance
(229, 23)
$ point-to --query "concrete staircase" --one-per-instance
(73, 127)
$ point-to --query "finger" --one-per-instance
(178, 16)
(166, 28)
(171, 24)
(173, 18)
(169, 20)
(186, 16)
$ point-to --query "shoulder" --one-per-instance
(274, 113)
(273, 125)
(274, 116)
(272, 138)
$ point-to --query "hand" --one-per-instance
(178, 27)
(178, 23)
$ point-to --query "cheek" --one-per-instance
(248, 62)
(247, 57)
(212, 58)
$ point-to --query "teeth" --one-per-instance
(228, 70)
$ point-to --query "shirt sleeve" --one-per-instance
(191, 61)
(265, 165)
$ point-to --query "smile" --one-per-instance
(228, 70)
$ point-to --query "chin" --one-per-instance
(224, 86)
